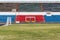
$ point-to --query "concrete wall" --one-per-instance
(52, 17)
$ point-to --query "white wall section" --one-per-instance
(29, 13)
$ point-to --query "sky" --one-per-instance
(20, 1)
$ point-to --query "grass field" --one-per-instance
(30, 32)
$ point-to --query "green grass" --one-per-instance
(30, 32)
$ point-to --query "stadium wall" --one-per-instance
(4, 15)
(37, 17)
(55, 17)
(48, 17)
(30, 17)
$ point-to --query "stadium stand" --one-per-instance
(7, 7)
(29, 7)
(54, 7)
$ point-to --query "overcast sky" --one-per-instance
(20, 1)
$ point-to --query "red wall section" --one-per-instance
(20, 18)
(17, 18)
(38, 18)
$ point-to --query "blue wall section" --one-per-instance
(3, 18)
(53, 18)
